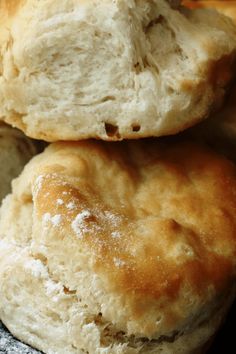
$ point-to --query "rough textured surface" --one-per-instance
(224, 340)
(228, 8)
(118, 248)
(220, 128)
(70, 71)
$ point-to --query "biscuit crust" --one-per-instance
(70, 72)
(220, 127)
(227, 7)
(130, 235)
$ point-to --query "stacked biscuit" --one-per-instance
(117, 247)
(220, 128)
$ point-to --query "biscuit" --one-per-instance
(111, 69)
(220, 128)
(15, 151)
(119, 248)
(227, 7)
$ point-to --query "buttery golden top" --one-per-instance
(155, 222)
(228, 8)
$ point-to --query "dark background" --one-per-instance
(225, 342)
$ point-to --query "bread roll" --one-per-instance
(75, 69)
(124, 248)
(227, 7)
(15, 151)
(220, 128)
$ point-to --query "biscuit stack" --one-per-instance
(117, 247)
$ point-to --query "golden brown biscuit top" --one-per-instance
(156, 222)
(152, 240)
(227, 7)
(9, 7)
(152, 216)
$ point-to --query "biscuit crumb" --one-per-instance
(115, 234)
(55, 220)
(70, 205)
(78, 224)
(118, 262)
(37, 268)
(60, 202)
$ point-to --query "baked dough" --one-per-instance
(227, 7)
(220, 128)
(118, 69)
(119, 248)
(15, 151)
